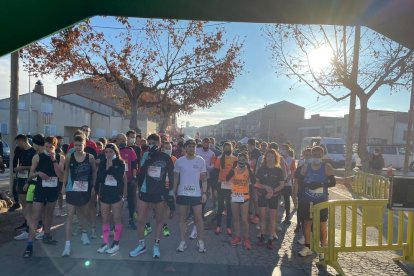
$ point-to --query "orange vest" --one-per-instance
(240, 183)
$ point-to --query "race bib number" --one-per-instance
(126, 167)
(316, 191)
(237, 197)
(154, 172)
(226, 185)
(110, 181)
(80, 186)
(190, 191)
(23, 174)
(52, 182)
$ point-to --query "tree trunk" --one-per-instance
(409, 136)
(350, 135)
(14, 110)
(363, 132)
(164, 119)
(133, 123)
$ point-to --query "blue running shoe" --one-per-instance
(140, 249)
(156, 251)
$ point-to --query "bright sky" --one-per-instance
(256, 87)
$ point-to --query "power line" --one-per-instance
(160, 29)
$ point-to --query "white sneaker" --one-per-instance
(201, 246)
(40, 235)
(182, 246)
(22, 236)
(103, 248)
(66, 251)
(305, 252)
(301, 240)
(193, 234)
(321, 256)
(113, 249)
(84, 239)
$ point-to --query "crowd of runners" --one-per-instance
(159, 176)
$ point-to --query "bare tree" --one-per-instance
(361, 62)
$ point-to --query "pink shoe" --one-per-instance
(236, 241)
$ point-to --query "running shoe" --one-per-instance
(40, 236)
(22, 227)
(261, 241)
(166, 231)
(236, 241)
(301, 240)
(22, 236)
(182, 246)
(85, 239)
(147, 230)
(94, 234)
(140, 249)
(269, 245)
(156, 251)
(218, 230)
(47, 239)
(305, 252)
(28, 252)
(132, 225)
(201, 246)
(228, 231)
(66, 250)
(14, 207)
(114, 248)
(103, 248)
(193, 234)
(247, 244)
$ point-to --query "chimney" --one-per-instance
(39, 87)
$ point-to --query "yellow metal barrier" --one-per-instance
(374, 214)
(370, 186)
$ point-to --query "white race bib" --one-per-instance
(316, 191)
(154, 172)
(52, 182)
(23, 174)
(126, 167)
(110, 181)
(226, 185)
(80, 186)
(237, 197)
(189, 191)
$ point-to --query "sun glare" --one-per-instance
(320, 58)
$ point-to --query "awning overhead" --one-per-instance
(25, 21)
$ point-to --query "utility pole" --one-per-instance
(409, 136)
(14, 102)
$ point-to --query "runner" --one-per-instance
(214, 184)
(287, 190)
(299, 181)
(79, 179)
(318, 177)
(224, 164)
(153, 194)
(130, 158)
(189, 170)
(254, 154)
(46, 167)
(270, 182)
(241, 177)
(169, 214)
(111, 186)
(22, 170)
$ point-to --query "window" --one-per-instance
(4, 128)
(335, 148)
(50, 130)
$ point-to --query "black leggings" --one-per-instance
(287, 192)
(132, 191)
(15, 192)
(224, 195)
